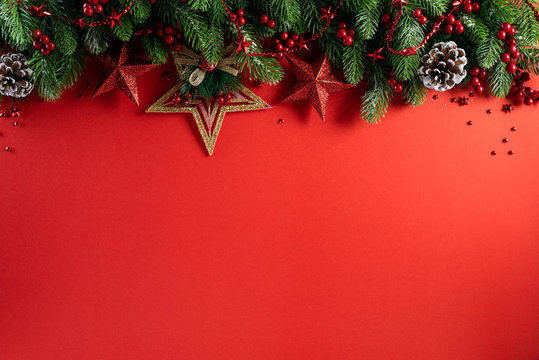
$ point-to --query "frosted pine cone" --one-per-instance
(15, 76)
(443, 66)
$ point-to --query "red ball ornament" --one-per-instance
(511, 68)
(512, 32)
(475, 71)
(44, 39)
(386, 18)
(88, 11)
(347, 40)
(240, 12)
(232, 18)
(392, 81)
(398, 88)
(450, 19)
(528, 101)
(525, 76)
(474, 81)
(459, 28)
(448, 29)
(263, 19)
(512, 49)
(341, 33)
(36, 44)
(515, 55)
(241, 21)
(169, 39)
(479, 89)
(422, 20)
(342, 25)
(351, 32)
(416, 13)
(290, 43)
(220, 99)
(50, 46)
(284, 36)
(278, 47)
(482, 74)
(295, 37)
(45, 51)
(501, 35)
(98, 8)
(36, 34)
(476, 7)
(271, 24)
(505, 58)
(505, 27)
(468, 8)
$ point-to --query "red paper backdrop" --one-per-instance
(121, 239)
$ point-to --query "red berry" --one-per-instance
(45, 51)
(44, 39)
(511, 41)
(276, 41)
(177, 99)
(386, 18)
(295, 37)
(271, 24)
(515, 55)
(88, 11)
(153, 2)
(169, 30)
(525, 76)
(347, 40)
(476, 7)
(512, 32)
(505, 27)
(160, 33)
(422, 20)
(50, 46)
(278, 47)
(458, 22)
(284, 36)
(104, 2)
(351, 32)
(450, 19)
(416, 13)
(290, 43)
(178, 36)
(93, 2)
(511, 68)
(159, 25)
(169, 39)
(240, 12)
(177, 47)
(459, 28)
(241, 21)
(392, 81)
(528, 101)
(475, 71)
(448, 29)
(505, 58)
(220, 100)
(479, 89)
(232, 18)
(398, 88)
(36, 44)
(36, 34)
(468, 8)
(342, 25)
(512, 49)
(263, 18)
(529, 91)
(341, 33)
(501, 35)
(482, 74)
(474, 81)
(98, 8)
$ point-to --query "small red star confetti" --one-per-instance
(327, 14)
(376, 55)
(302, 44)
(453, 100)
(471, 94)
(463, 100)
(489, 111)
(114, 18)
(410, 51)
(16, 112)
(507, 108)
(2, 114)
(399, 3)
(79, 22)
(243, 44)
(39, 11)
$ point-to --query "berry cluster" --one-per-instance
(477, 75)
(452, 24)
(264, 19)
(394, 83)
(421, 19)
(507, 31)
(284, 42)
(346, 36)
(171, 35)
(223, 99)
(43, 42)
(180, 100)
(238, 18)
(520, 91)
(386, 20)
(93, 6)
(468, 6)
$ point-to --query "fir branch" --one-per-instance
(377, 98)
(65, 36)
(488, 52)
(154, 50)
(125, 31)
(16, 24)
(414, 92)
(529, 59)
(353, 61)
(367, 18)
(499, 80)
(430, 8)
(474, 28)
(408, 33)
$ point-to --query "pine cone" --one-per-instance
(443, 67)
(15, 76)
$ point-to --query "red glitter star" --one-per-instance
(243, 44)
(463, 100)
(39, 11)
(80, 22)
(121, 72)
(114, 18)
(399, 3)
(410, 51)
(507, 108)
(376, 55)
(327, 14)
(315, 82)
(15, 112)
(302, 44)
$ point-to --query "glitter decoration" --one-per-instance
(121, 72)
(315, 82)
(208, 114)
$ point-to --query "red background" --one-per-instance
(121, 239)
